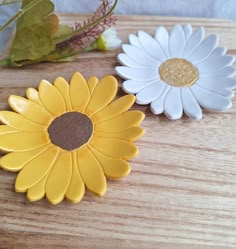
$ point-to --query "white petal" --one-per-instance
(125, 60)
(109, 33)
(190, 104)
(141, 74)
(219, 51)
(204, 49)
(215, 63)
(209, 100)
(133, 40)
(149, 93)
(134, 86)
(140, 56)
(194, 40)
(173, 108)
(214, 89)
(176, 42)
(151, 46)
(113, 44)
(162, 37)
(213, 82)
(157, 106)
(224, 72)
(187, 31)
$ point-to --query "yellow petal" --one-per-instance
(75, 191)
(131, 134)
(63, 87)
(23, 140)
(103, 94)
(59, 178)
(30, 109)
(115, 108)
(121, 122)
(34, 171)
(79, 92)
(91, 171)
(114, 147)
(112, 167)
(37, 192)
(33, 95)
(15, 161)
(19, 122)
(92, 82)
(4, 129)
(51, 98)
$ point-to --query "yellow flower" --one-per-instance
(64, 137)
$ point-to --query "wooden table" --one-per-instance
(181, 193)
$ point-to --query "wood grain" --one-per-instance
(181, 193)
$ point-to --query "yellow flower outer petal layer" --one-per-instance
(103, 94)
(15, 161)
(76, 189)
(63, 87)
(19, 122)
(37, 192)
(5, 129)
(59, 178)
(115, 108)
(92, 83)
(131, 134)
(51, 98)
(30, 109)
(34, 171)
(114, 147)
(112, 167)
(91, 171)
(79, 92)
(23, 140)
(33, 95)
(121, 122)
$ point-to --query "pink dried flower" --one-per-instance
(89, 35)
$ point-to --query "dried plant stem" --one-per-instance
(97, 21)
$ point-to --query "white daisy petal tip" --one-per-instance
(173, 117)
(196, 117)
(133, 40)
(119, 71)
(219, 51)
(183, 58)
(156, 110)
(187, 31)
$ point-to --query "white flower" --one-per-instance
(108, 40)
(178, 72)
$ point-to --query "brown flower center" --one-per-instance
(70, 130)
(178, 72)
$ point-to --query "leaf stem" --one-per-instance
(7, 2)
(4, 63)
(19, 13)
(12, 19)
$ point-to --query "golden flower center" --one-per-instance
(70, 130)
(178, 72)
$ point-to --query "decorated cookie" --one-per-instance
(65, 137)
(178, 72)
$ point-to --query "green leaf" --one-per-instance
(63, 30)
(59, 55)
(35, 30)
